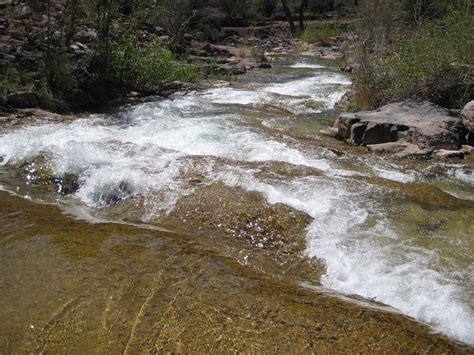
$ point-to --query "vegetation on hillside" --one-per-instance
(420, 49)
(415, 50)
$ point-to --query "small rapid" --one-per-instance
(395, 233)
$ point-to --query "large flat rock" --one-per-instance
(420, 123)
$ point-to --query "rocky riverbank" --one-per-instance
(28, 35)
(409, 129)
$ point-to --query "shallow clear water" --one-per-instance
(396, 232)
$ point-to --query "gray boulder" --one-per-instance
(467, 115)
(420, 123)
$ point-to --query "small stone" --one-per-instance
(467, 149)
(7, 56)
(447, 154)
(330, 131)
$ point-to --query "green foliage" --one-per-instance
(58, 73)
(320, 34)
(434, 63)
(9, 80)
(146, 68)
(419, 10)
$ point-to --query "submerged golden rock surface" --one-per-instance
(75, 287)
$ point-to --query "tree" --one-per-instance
(288, 16)
(303, 6)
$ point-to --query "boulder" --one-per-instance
(467, 115)
(264, 66)
(23, 99)
(420, 123)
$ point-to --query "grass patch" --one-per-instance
(323, 34)
(249, 52)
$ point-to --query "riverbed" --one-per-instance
(187, 218)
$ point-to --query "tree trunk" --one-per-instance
(34, 4)
(303, 6)
(287, 11)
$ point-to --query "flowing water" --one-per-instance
(246, 161)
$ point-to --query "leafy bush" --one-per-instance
(149, 67)
(433, 63)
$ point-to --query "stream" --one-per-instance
(242, 169)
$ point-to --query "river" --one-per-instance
(243, 169)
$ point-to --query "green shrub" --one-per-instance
(433, 63)
(148, 68)
(9, 81)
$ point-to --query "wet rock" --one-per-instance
(264, 66)
(275, 229)
(23, 99)
(330, 131)
(66, 185)
(398, 149)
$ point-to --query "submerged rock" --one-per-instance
(277, 230)
(38, 172)
(121, 287)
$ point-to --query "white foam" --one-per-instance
(361, 262)
(303, 65)
(370, 259)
